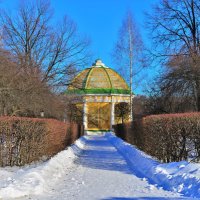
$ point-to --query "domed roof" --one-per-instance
(98, 79)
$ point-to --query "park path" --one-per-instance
(101, 172)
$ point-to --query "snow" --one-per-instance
(101, 167)
(182, 177)
(36, 179)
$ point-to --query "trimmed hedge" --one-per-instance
(131, 132)
(24, 140)
(169, 137)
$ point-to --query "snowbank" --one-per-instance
(17, 182)
(182, 177)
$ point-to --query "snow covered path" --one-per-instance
(101, 172)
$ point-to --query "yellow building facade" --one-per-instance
(96, 91)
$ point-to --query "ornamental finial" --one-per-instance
(99, 63)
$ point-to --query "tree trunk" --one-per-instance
(197, 96)
(198, 100)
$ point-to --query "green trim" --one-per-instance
(121, 77)
(108, 76)
(79, 75)
(98, 91)
(87, 77)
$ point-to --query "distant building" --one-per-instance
(98, 89)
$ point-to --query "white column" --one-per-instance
(85, 117)
(112, 115)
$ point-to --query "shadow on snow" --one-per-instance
(100, 154)
(148, 198)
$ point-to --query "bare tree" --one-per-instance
(175, 29)
(127, 51)
(24, 94)
(40, 45)
(122, 111)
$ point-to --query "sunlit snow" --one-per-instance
(101, 167)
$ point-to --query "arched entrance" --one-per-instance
(99, 116)
(98, 89)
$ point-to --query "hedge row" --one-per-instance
(171, 137)
(24, 140)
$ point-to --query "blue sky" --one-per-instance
(100, 20)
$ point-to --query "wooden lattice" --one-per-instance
(99, 116)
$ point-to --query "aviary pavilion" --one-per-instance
(96, 90)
